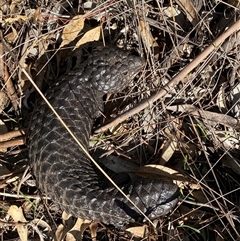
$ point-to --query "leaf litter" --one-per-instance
(190, 135)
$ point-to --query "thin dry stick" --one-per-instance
(207, 115)
(18, 141)
(149, 101)
(4, 194)
(12, 134)
(12, 95)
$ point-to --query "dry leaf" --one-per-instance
(41, 223)
(60, 232)
(11, 36)
(17, 215)
(35, 51)
(36, 15)
(13, 179)
(62, 229)
(221, 100)
(77, 231)
(72, 29)
(189, 10)
(3, 130)
(169, 148)
(93, 230)
(70, 229)
(17, 18)
(147, 35)
(235, 100)
(139, 231)
(4, 101)
(160, 171)
(171, 12)
(90, 36)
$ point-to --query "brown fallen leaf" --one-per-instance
(160, 171)
(147, 35)
(93, 230)
(169, 148)
(3, 130)
(4, 101)
(190, 11)
(71, 230)
(12, 35)
(62, 229)
(17, 214)
(90, 36)
(72, 29)
(37, 50)
(41, 223)
(139, 231)
(77, 230)
(16, 19)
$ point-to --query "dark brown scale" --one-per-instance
(63, 172)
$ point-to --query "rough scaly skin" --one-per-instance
(62, 170)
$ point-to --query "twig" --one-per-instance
(11, 92)
(11, 143)
(12, 134)
(25, 196)
(207, 115)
